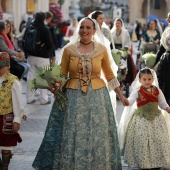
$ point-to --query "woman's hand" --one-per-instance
(168, 109)
(16, 127)
(123, 99)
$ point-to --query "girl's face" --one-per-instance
(146, 80)
(86, 30)
(3, 70)
(100, 19)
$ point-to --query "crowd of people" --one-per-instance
(85, 134)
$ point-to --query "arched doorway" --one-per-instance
(157, 8)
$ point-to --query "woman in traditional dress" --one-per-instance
(122, 41)
(84, 135)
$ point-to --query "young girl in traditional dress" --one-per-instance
(143, 133)
(11, 110)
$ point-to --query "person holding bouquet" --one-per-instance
(83, 135)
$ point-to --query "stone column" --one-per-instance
(1, 11)
(75, 9)
(135, 10)
(65, 7)
(17, 9)
(42, 5)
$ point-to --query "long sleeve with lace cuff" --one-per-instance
(113, 83)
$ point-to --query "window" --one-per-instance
(157, 4)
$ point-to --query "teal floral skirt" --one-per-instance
(83, 137)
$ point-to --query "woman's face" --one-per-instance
(100, 19)
(152, 25)
(8, 28)
(118, 24)
(86, 30)
(168, 18)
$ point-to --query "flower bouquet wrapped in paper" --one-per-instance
(118, 54)
(149, 59)
(49, 77)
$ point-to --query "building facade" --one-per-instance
(16, 10)
(131, 10)
(140, 9)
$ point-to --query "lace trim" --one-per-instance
(113, 83)
(73, 49)
(85, 69)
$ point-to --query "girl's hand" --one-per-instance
(124, 100)
(16, 127)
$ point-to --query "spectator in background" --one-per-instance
(21, 61)
(49, 16)
(71, 29)
(99, 17)
(39, 57)
(151, 34)
(137, 30)
(6, 46)
(163, 58)
(63, 30)
(110, 25)
(122, 41)
(162, 49)
(19, 37)
(60, 33)
(9, 31)
(13, 28)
